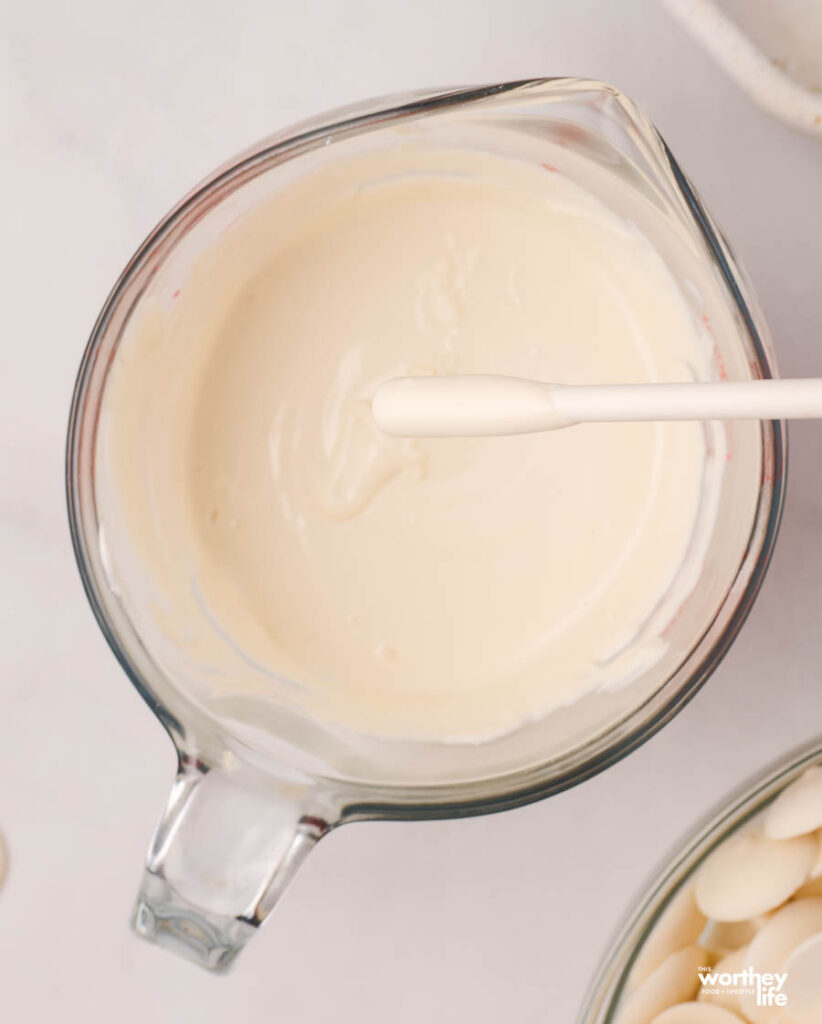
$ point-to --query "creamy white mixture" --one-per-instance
(439, 589)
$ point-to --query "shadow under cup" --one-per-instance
(259, 779)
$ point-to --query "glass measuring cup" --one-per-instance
(606, 994)
(260, 781)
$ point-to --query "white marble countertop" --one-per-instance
(111, 111)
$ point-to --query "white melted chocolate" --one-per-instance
(445, 590)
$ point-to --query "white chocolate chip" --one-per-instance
(798, 809)
(674, 981)
(803, 985)
(775, 942)
(748, 875)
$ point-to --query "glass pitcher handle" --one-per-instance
(225, 849)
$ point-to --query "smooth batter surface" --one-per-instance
(442, 589)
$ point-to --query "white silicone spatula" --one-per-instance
(484, 405)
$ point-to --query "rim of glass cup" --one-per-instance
(745, 802)
(196, 735)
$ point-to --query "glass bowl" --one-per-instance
(275, 773)
(606, 994)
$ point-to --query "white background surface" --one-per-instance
(110, 111)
